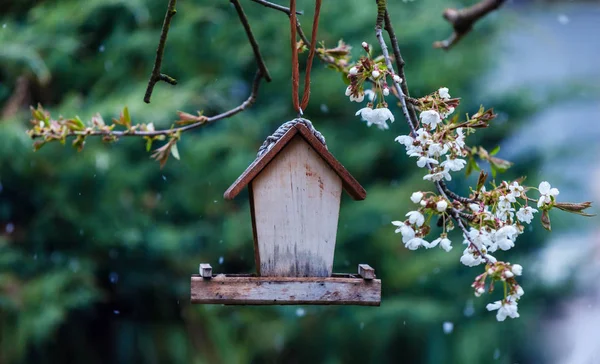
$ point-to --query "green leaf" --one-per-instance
(175, 151)
(126, 116)
(148, 144)
(495, 150)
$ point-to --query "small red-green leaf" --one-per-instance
(546, 220)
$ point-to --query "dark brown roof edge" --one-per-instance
(350, 184)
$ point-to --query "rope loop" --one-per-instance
(280, 132)
(299, 106)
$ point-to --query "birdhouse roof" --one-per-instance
(350, 184)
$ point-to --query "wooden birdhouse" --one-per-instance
(295, 187)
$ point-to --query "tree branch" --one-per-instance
(463, 20)
(381, 12)
(196, 121)
(277, 7)
(400, 65)
(259, 60)
(156, 76)
(287, 11)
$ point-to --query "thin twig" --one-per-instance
(456, 196)
(205, 121)
(382, 9)
(156, 76)
(259, 60)
(463, 20)
(399, 64)
(277, 7)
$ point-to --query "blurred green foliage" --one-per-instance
(96, 248)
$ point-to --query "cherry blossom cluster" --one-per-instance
(372, 72)
(490, 218)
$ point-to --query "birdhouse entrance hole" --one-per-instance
(295, 188)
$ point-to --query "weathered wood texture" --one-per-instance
(222, 289)
(350, 184)
(205, 270)
(296, 207)
(365, 271)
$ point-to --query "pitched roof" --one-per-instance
(351, 185)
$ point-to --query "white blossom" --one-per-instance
(437, 150)
(405, 140)
(444, 93)
(438, 176)
(348, 91)
(431, 118)
(353, 71)
(406, 231)
(469, 259)
(397, 79)
(415, 217)
(505, 236)
(415, 243)
(446, 244)
(371, 94)
(454, 164)
(460, 138)
(525, 214)
(423, 203)
(359, 98)
(517, 269)
(546, 193)
(505, 309)
(365, 45)
(448, 113)
(375, 74)
(150, 127)
(416, 197)
(441, 206)
(519, 292)
(386, 91)
(377, 116)
(443, 242)
(508, 274)
(423, 160)
(515, 191)
(479, 291)
(423, 136)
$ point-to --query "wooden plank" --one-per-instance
(285, 291)
(254, 237)
(366, 272)
(296, 208)
(205, 270)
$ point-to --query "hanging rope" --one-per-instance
(274, 138)
(299, 106)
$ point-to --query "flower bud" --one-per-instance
(416, 197)
(397, 79)
(353, 71)
(365, 45)
(375, 74)
(386, 91)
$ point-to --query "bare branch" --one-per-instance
(156, 76)
(202, 120)
(259, 60)
(399, 64)
(440, 186)
(463, 20)
(277, 7)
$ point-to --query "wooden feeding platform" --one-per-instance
(295, 187)
(248, 289)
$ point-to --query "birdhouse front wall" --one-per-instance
(296, 203)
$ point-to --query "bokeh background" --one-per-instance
(97, 247)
